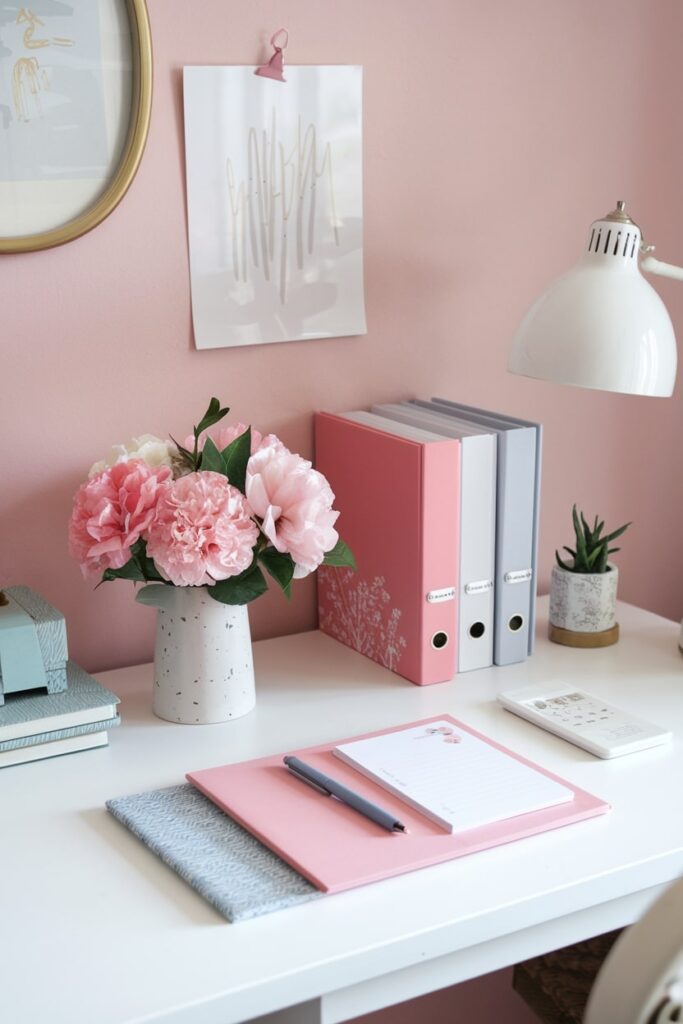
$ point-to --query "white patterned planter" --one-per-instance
(203, 667)
(583, 602)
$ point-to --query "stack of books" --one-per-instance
(35, 724)
(48, 704)
(440, 504)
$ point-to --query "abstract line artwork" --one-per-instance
(274, 189)
(280, 192)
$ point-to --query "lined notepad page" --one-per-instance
(454, 778)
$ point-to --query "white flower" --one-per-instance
(150, 449)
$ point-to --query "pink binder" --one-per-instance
(335, 847)
(400, 514)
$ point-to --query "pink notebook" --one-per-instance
(399, 502)
(335, 847)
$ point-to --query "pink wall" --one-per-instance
(494, 133)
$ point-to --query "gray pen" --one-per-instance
(328, 787)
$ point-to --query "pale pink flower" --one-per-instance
(202, 531)
(225, 435)
(295, 503)
(112, 511)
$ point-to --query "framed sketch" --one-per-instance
(274, 189)
(75, 97)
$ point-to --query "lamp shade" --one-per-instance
(601, 325)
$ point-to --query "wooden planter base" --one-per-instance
(571, 638)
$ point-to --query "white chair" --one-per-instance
(632, 977)
(641, 980)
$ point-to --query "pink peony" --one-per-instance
(224, 436)
(202, 531)
(295, 503)
(112, 511)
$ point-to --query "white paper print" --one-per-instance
(274, 191)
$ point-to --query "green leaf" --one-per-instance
(186, 455)
(613, 551)
(341, 556)
(616, 533)
(563, 565)
(601, 563)
(139, 567)
(569, 550)
(593, 556)
(155, 595)
(280, 567)
(149, 569)
(581, 548)
(214, 414)
(236, 456)
(241, 589)
(212, 460)
(130, 571)
(586, 530)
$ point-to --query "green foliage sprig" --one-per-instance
(592, 547)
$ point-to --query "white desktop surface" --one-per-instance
(94, 929)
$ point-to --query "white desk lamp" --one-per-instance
(602, 325)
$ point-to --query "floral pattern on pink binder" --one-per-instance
(357, 612)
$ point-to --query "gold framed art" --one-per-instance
(75, 102)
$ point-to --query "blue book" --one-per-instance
(34, 713)
(229, 867)
(22, 742)
(54, 745)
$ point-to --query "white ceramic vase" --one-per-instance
(203, 666)
(583, 602)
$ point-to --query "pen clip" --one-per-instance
(309, 782)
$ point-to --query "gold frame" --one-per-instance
(141, 105)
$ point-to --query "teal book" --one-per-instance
(33, 713)
(33, 647)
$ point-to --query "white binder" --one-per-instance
(477, 525)
(518, 491)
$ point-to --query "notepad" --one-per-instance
(453, 777)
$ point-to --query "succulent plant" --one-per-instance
(592, 548)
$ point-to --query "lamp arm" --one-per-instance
(654, 266)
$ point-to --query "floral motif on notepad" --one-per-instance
(358, 612)
(444, 732)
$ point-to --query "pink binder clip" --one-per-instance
(274, 67)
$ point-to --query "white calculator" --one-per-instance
(587, 721)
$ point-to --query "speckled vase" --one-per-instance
(203, 666)
(583, 602)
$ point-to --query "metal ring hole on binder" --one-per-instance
(477, 630)
(440, 640)
(515, 623)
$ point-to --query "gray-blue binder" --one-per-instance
(517, 526)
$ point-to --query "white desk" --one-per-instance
(95, 930)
